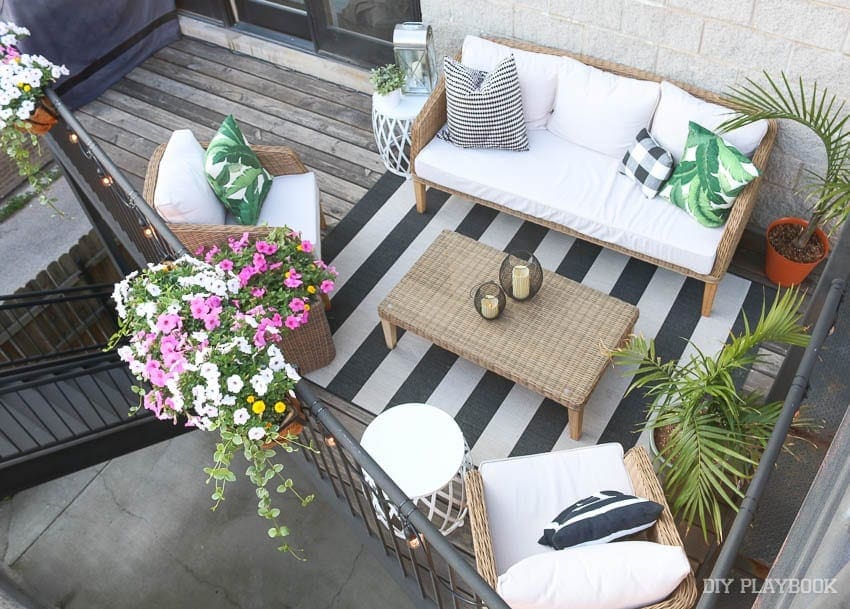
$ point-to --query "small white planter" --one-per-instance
(387, 102)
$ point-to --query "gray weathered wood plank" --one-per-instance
(126, 120)
(107, 132)
(309, 84)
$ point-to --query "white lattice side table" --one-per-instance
(391, 126)
(423, 450)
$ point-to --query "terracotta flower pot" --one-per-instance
(784, 271)
(42, 119)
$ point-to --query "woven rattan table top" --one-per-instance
(555, 344)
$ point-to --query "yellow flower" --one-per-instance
(258, 407)
(286, 274)
(306, 307)
(299, 247)
(27, 88)
(279, 407)
(311, 289)
(250, 399)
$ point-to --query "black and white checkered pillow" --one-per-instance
(484, 110)
(648, 164)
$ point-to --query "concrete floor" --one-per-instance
(137, 532)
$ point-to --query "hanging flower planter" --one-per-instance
(42, 119)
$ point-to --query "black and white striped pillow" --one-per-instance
(484, 110)
(600, 518)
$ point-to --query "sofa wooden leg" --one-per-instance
(419, 191)
(326, 302)
(390, 334)
(708, 295)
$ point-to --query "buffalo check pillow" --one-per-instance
(647, 164)
(484, 109)
(600, 518)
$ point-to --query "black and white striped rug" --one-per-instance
(378, 241)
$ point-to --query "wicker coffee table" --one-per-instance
(555, 344)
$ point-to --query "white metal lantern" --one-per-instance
(413, 43)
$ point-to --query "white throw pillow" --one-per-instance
(619, 575)
(678, 107)
(600, 110)
(537, 72)
(182, 194)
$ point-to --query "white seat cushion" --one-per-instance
(600, 110)
(610, 576)
(678, 107)
(579, 188)
(523, 494)
(182, 194)
(293, 201)
(537, 72)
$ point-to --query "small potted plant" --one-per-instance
(388, 81)
(709, 436)
(202, 338)
(795, 246)
(24, 113)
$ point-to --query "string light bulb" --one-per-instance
(73, 138)
(148, 232)
(330, 441)
(106, 180)
(414, 539)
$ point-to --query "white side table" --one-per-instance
(423, 450)
(391, 127)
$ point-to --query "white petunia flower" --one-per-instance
(153, 289)
(256, 433)
(235, 383)
(241, 416)
(125, 353)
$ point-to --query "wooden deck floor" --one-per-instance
(194, 85)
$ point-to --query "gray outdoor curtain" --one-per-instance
(99, 40)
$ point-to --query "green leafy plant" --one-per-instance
(387, 79)
(828, 194)
(716, 435)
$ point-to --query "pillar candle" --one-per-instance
(489, 307)
(520, 282)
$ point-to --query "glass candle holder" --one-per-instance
(521, 275)
(489, 300)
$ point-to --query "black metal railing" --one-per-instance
(49, 325)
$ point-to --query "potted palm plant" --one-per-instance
(795, 246)
(708, 434)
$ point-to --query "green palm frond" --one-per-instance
(814, 108)
(717, 434)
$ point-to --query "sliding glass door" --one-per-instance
(360, 31)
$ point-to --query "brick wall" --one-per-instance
(709, 43)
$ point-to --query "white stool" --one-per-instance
(391, 127)
(423, 450)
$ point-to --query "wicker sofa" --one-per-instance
(431, 119)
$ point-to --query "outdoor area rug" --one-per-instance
(383, 235)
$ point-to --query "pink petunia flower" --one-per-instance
(258, 292)
(293, 279)
(167, 322)
(297, 305)
(306, 246)
(264, 247)
(226, 264)
(292, 322)
(326, 286)
(260, 263)
(213, 251)
(198, 307)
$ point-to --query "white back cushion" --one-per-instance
(537, 72)
(293, 201)
(182, 194)
(600, 110)
(524, 494)
(678, 107)
(616, 575)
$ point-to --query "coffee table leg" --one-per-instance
(575, 416)
(390, 333)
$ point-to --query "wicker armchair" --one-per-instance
(278, 160)
(645, 485)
